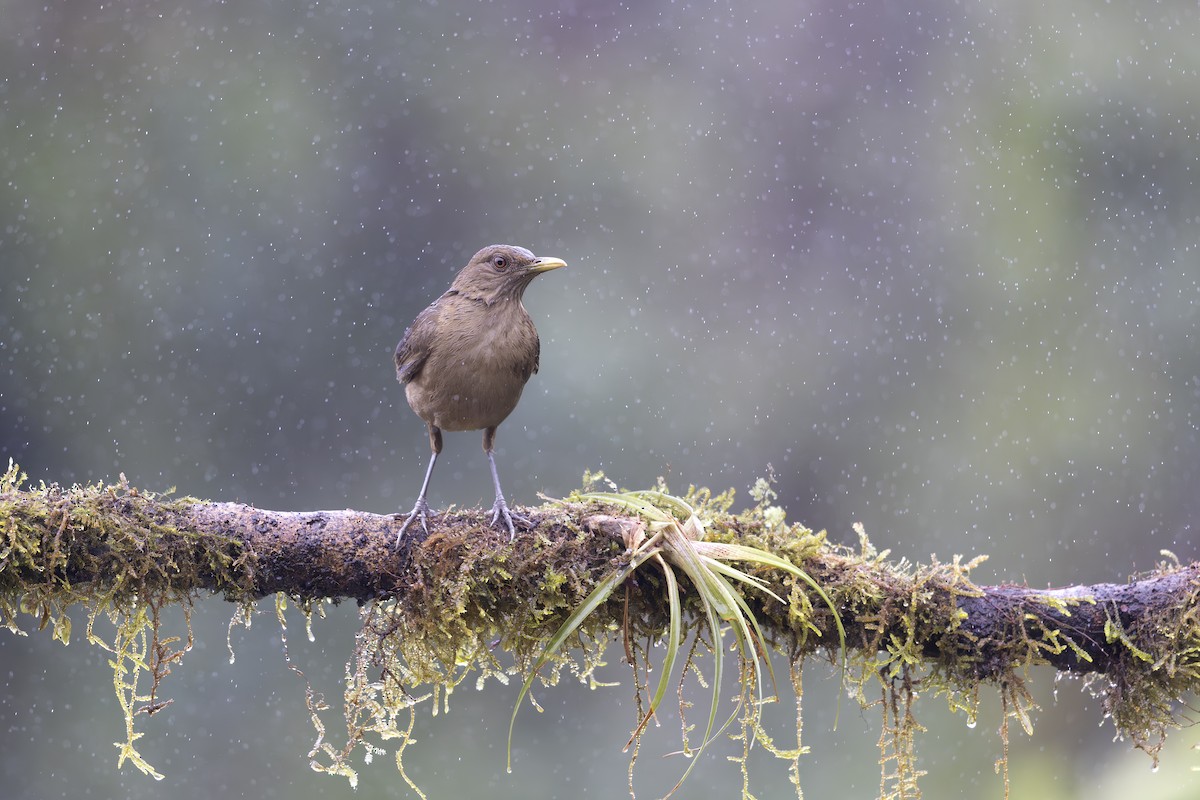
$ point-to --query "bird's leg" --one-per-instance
(500, 508)
(421, 509)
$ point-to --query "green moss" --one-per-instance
(147, 563)
(476, 610)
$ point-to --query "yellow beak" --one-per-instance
(545, 264)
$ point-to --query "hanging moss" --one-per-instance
(46, 569)
(465, 604)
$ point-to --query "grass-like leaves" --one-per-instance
(673, 544)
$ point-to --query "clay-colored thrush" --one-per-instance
(466, 358)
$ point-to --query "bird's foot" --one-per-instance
(420, 511)
(501, 512)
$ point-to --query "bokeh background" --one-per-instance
(935, 263)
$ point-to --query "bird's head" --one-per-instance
(501, 271)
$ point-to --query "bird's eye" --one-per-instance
(500, 261)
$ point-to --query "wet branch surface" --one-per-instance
(184, 547)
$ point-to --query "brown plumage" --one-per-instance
(466, 358)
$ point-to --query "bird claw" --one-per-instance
(500, 511)
(420, 510)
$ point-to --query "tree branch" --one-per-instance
(121, 537)
(447, 599)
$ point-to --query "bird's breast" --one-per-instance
(474, 376)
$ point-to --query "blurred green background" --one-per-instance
(935, 263)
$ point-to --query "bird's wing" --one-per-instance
(413, 350)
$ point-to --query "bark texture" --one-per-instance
(124, 541)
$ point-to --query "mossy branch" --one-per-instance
(465, 586)
(143, 544)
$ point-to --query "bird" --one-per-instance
(466, 358)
